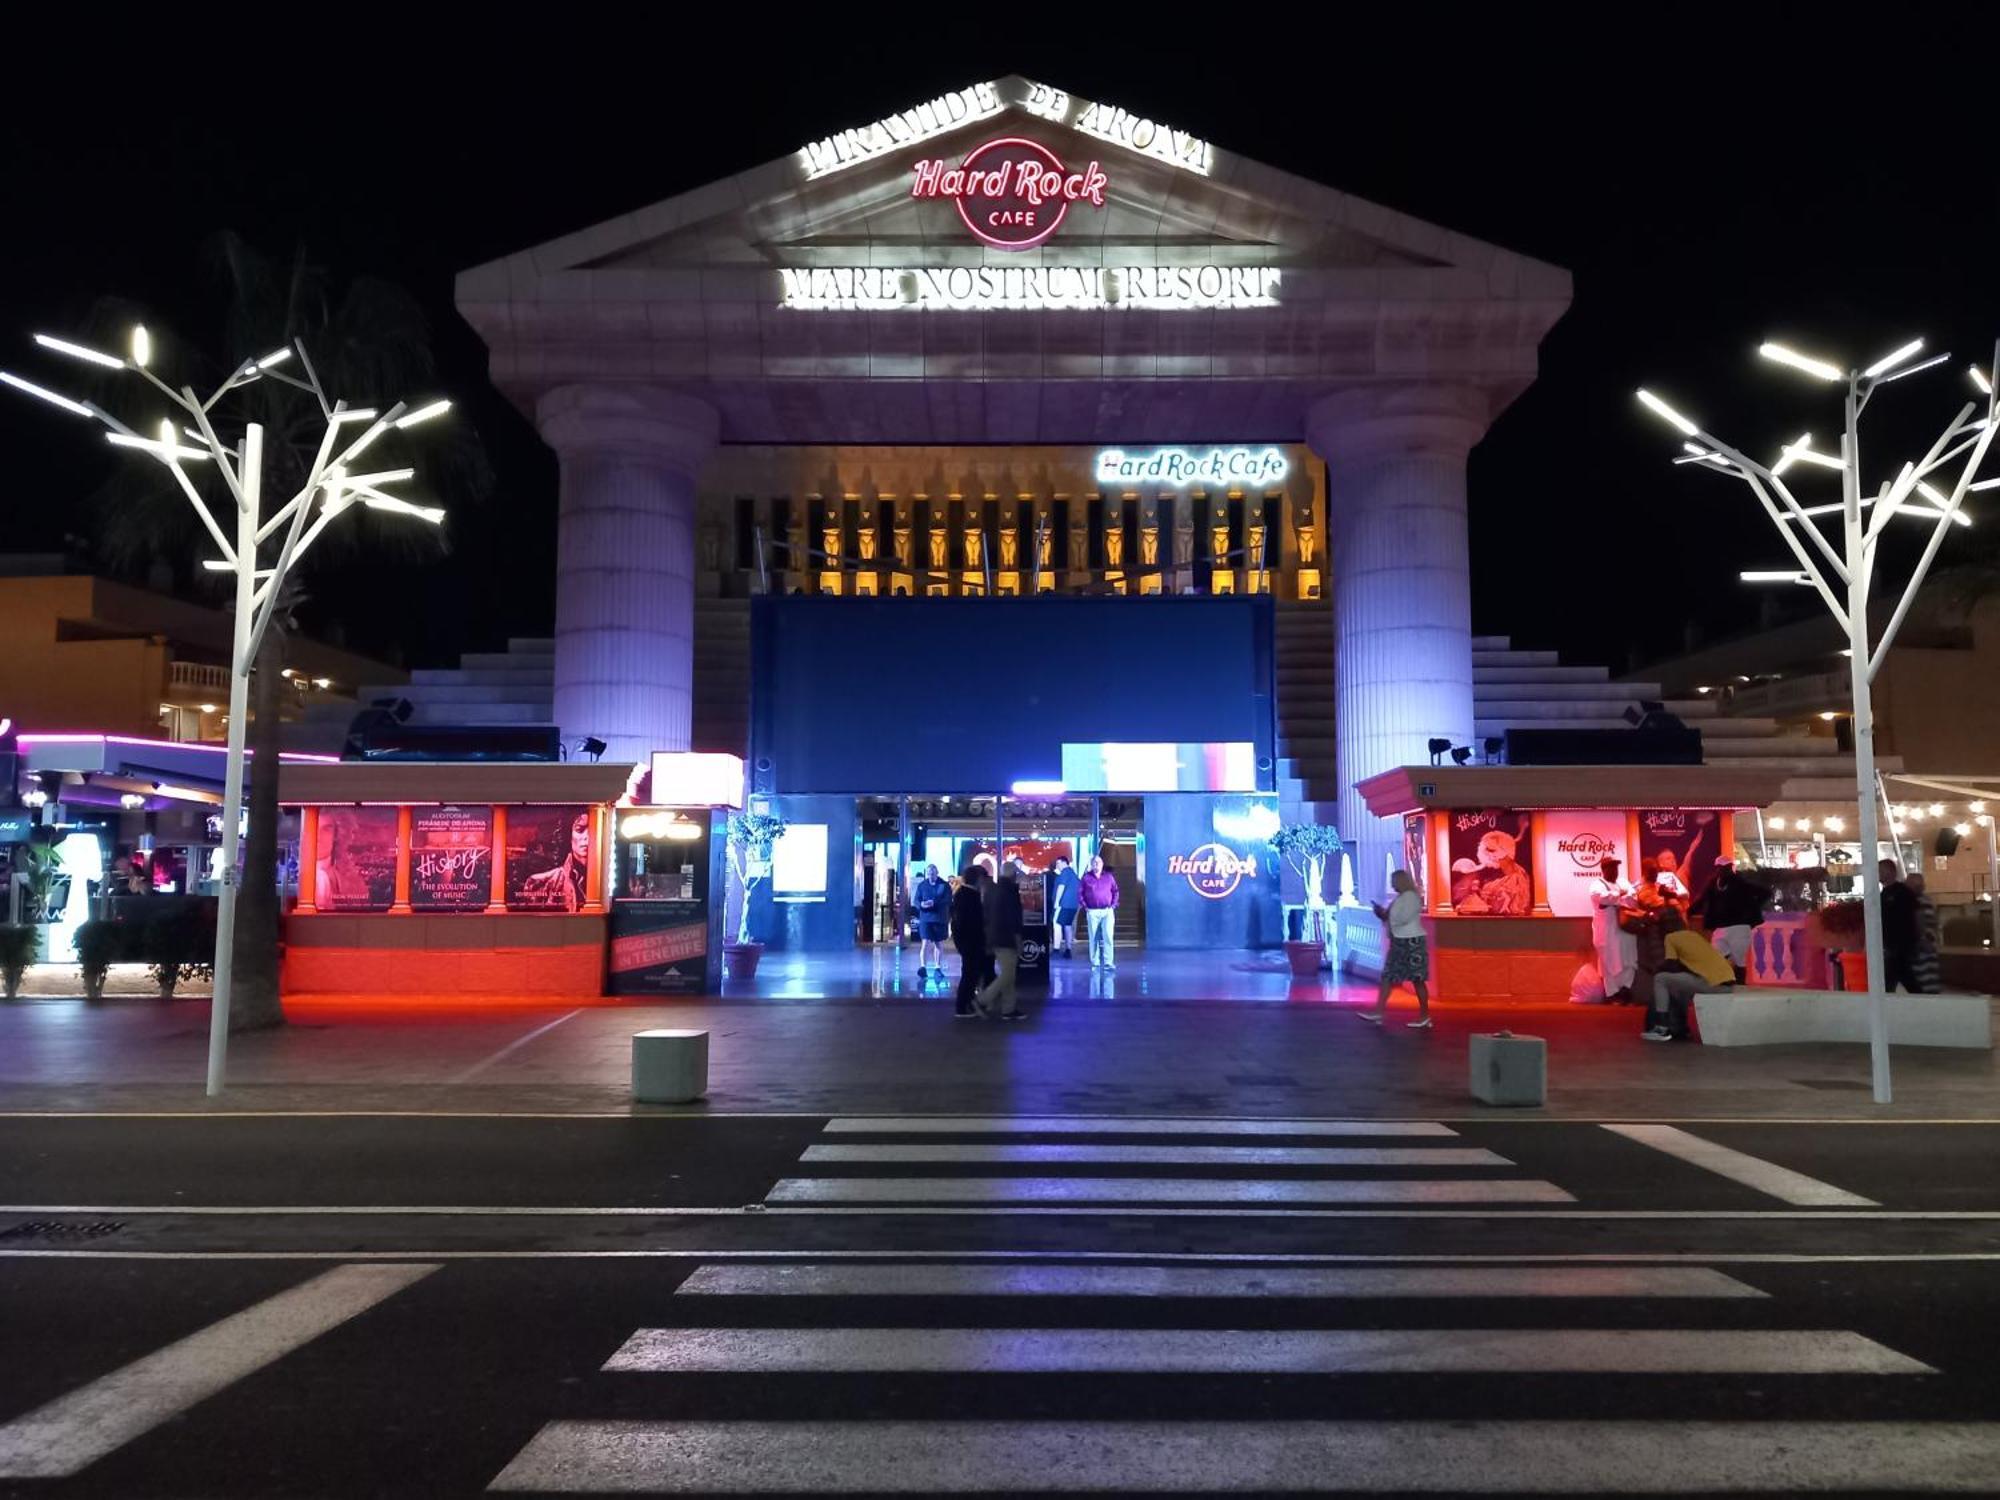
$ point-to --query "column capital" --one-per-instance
(1398, 420)
(662, 427)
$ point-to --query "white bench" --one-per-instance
(1752, 1017)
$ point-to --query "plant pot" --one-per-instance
(1306, 959)
(740, 959)
(1854, 971)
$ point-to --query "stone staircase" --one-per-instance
(1517, 688)
(517, 686)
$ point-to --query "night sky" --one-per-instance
(1710, 182)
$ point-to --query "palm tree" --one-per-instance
(369, 340)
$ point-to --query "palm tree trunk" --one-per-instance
(254, 999)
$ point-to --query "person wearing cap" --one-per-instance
(1731, 908)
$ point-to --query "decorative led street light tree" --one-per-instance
(330, 490)
(1843, 573)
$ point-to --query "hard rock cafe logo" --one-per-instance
(1588, 850)
(1213, 871)
(1011, 192)
(1032, 952)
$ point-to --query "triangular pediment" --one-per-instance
(1169, 196)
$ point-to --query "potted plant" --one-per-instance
(39, 864)
(1839, 927)
(1306, 847)
(17, 951)
(171, 946)
(749, 837)
(98, 947)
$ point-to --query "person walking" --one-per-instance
(1098, 893)
(968, 935)
(1617, 951)
(1062, 908)
(1899, 931)
(1924, 964)
(1732, 908)
(1003, 948)
(932, 903)
(1409, 954)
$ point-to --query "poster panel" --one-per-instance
(1690, 838)
(659, 947)
(1490, 857)
(1574, 843)
(451, 858)
(355, 861)
(1416, 852)
(548, 858)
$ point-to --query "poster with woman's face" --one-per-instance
(1490, 855)
(548, 858)
(355, 859)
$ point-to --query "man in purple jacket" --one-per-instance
(1099, 893)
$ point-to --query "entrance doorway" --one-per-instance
(1022, 836)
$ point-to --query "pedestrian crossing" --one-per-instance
(897, 1444)
(1158, 1164)
(1041, 1373)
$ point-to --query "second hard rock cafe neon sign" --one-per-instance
(1012, 192)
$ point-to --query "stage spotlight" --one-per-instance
(594, 747)
(1461, 754)
(1438, 748)
(1493, 746)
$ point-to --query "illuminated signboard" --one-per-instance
(1574, 844)
(989, 288)
(1011, 192)
(1213, 870)
(697, 778)
(1179, 467)
(907, 127)
(1134, 132)
(1160, 766)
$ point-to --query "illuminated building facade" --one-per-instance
(1012, 342)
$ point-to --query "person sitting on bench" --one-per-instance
(1692, 967)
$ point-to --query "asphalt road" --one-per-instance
(405, 1306)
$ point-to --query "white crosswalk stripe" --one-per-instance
(1103, 1125)
(989, 1457)
(1168, 1156)
(1128, 1191)
(1036, 1280)
(1177, 1351)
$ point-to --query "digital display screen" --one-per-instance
(1160, 766)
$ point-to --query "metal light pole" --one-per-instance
(329, 490)
(1843, 577)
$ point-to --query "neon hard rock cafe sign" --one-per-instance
(1213, 870)
(1012, 192)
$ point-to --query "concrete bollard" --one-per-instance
(1509, 1069)
(669, 1067)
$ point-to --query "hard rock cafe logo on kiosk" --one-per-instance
(1588, 850)
(1011, 192)
(1213, 870)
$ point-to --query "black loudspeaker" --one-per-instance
(1947, 840)
(1662, 746)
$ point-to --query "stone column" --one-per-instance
(1395, 458)
(625, 562)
